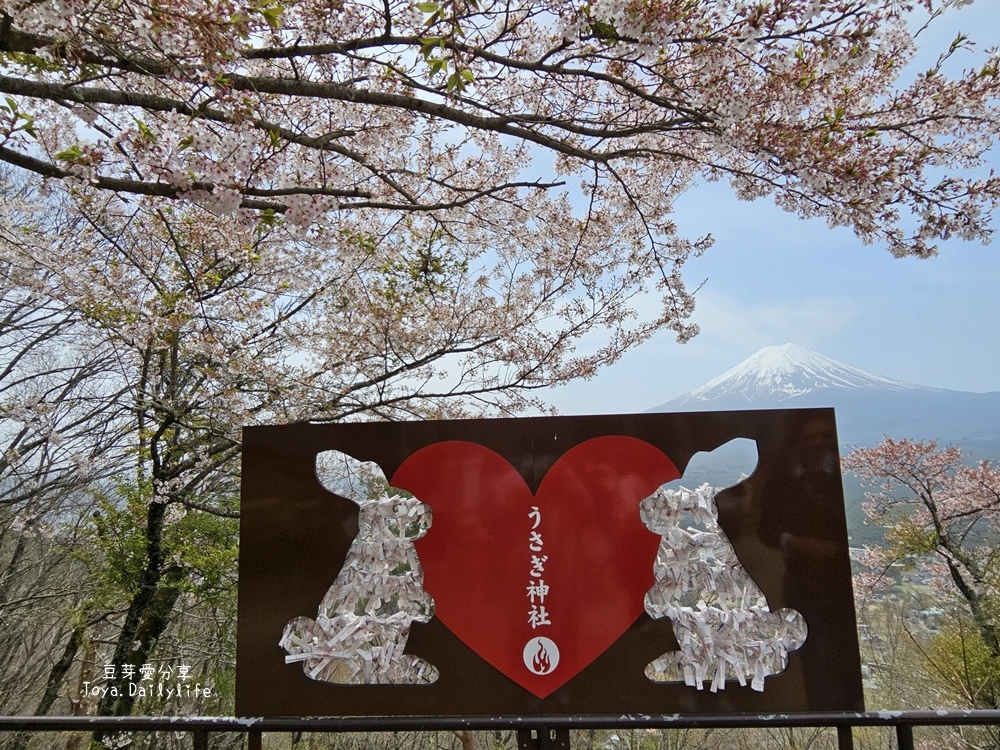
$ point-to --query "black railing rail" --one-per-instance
(201, 727)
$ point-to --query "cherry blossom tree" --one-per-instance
(945, 514)
(472, 119)
(213, 322)
(59, 435)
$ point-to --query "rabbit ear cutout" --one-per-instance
(359, 481)
(726, 466)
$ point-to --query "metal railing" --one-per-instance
(539, 729)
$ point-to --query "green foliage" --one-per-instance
(458, 80)
(434, 50)
(604, 31)
(271, 13)
(146, 133)
(906, 540)
(375, 486)
(961, 658)
(202, 547)
(22, 121)
(367, 243)
(207, 546)
(418, 275)
(72, 154)
(115, 554)
(31, 63)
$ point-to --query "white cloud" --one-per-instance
(807, 320)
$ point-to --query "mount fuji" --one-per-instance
(868, 406)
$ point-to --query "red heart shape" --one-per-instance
(593, 556)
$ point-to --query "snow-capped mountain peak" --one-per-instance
(868, 406)
(777, 373)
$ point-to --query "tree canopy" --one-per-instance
(942, 513)
(385, 115)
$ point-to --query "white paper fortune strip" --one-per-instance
(720, 615)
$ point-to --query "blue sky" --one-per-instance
(771, 278)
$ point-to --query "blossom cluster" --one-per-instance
(937, 509)
(454, 111)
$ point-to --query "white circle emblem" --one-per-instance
(541, 656)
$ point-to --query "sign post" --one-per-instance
(555, 576)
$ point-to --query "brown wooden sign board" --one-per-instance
(786, 523)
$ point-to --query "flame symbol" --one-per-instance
(541, 662)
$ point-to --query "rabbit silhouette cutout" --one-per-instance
(720, 616)
(359, 635)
